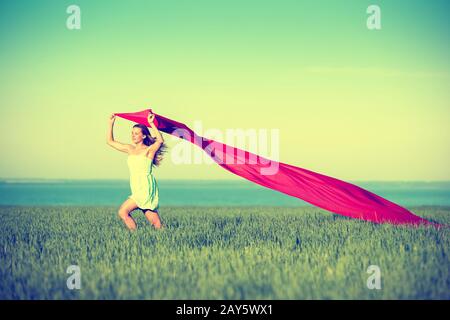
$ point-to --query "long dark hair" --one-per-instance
(149, 140)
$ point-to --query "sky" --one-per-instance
(349, 102)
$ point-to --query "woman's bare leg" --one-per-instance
(153, 218)
(124, 213)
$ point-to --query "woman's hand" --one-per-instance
(150, 118)
(112, 118)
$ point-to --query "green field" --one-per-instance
(219, 253)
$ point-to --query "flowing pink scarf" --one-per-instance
(322, 191)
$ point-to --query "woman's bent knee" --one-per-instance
(123, 214)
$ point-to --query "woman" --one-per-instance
(145, 152)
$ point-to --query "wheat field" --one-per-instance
(219, 253)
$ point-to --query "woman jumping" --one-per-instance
(145, 152)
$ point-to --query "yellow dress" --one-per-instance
(144, 190)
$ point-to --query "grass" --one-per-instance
(219, 253)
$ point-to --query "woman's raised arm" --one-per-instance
(110, 137)
(158, 136)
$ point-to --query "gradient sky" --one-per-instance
(351, 103)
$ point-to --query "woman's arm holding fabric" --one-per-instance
(157, 134)
(110, 137)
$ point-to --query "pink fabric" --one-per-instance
(320, 190)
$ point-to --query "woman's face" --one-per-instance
(136, 135)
